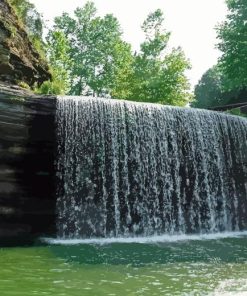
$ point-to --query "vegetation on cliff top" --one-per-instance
(32, 21)
(88, 56)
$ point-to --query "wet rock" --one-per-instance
(27, 143)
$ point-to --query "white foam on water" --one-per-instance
(146, 240)
(231, 287)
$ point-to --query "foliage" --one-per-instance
(233, 44)
(50, 88)
(209, 90)
(226, 83)
(32, 21)
(57, 49)
(121, 86)
(88, 54)
(23, 85)
(96, 53)
(237, 112)
(158, 76)
(30, 17)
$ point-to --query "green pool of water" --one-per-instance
(195, 267)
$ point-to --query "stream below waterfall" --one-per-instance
(150, 200)
(198, 266)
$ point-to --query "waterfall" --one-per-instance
(128, 169)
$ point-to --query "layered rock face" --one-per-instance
(19, 61)
(27, 186)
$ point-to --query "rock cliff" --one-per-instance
(19, 61)
(27, 175)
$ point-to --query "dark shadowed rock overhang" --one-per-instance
(19, 61)
(27, 174)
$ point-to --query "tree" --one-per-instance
(209, 90)
(95, 49)
(121, 84)
(226, 83)
(57, 49)
(158, 75)
(233, 44)
(88, 54)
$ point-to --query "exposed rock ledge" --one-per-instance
(27, 175)
(19, 61)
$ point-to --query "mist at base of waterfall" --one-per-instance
(146, 239)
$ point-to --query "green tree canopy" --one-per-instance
(232, 35)
(226, 83)
(159, 75)
(208, 91)
(57, 49)
(96, 51)
(89, 57)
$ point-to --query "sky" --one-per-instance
(191, 23)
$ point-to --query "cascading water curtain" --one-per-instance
(129, 169)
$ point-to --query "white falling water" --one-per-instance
(128, 169)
